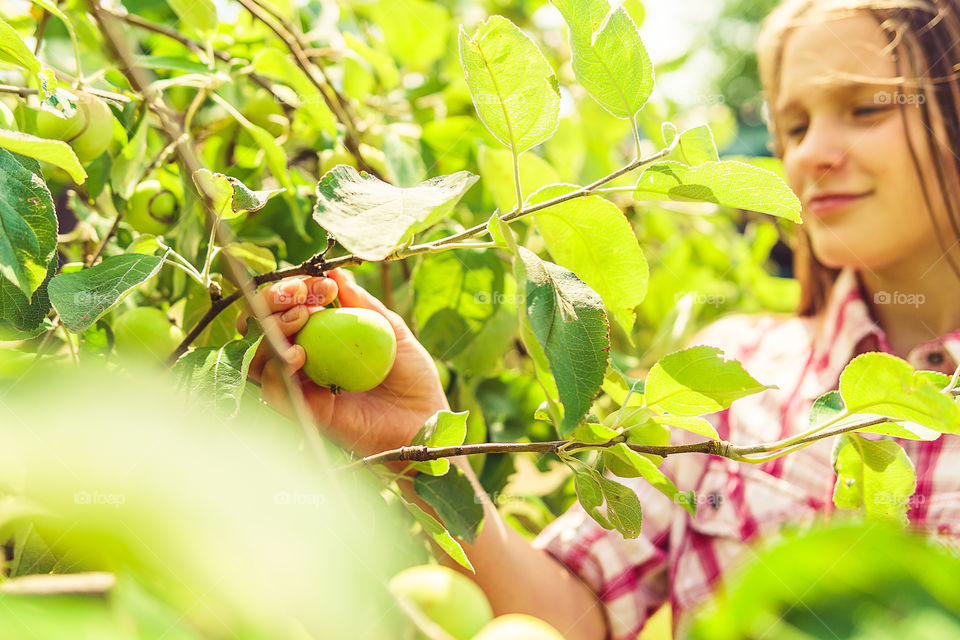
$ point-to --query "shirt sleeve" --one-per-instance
(629, 576)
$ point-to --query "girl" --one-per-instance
(864, 101)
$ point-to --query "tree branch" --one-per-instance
(720, 448)
(316, 265)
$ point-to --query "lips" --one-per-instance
(827, 203)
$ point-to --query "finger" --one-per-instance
(295, 355)
(277, 297)
(273, 389)
(353, 295)
(320, 290)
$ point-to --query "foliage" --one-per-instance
(506, 203)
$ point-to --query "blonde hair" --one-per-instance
(924, 37)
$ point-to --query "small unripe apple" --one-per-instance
(145, 332)
(348, 348)
(518, 626)
(89, 131)
(152, 209)
(453, 601)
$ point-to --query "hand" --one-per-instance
(387, 416)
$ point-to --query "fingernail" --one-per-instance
(291, 314)
(317, 290)
(294, 354)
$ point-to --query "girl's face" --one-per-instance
(845, 147)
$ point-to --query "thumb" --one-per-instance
(353, 295)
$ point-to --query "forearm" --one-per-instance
(520, 579)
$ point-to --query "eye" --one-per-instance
(869, 110)
(795, 131)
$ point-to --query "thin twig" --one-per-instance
(289, 38)
(273, 338)
(720, 448)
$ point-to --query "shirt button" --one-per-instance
(935, 358)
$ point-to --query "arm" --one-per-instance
(515, 576)
(518, 578)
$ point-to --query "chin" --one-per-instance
(835, 254)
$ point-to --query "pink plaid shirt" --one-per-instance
(680, 557)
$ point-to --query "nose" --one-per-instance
(823, 148)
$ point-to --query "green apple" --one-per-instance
(152, 209)
(348, 348)
(518, 626)
(89, 131)
(453, 601)
(145, 332)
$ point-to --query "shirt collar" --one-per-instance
(847, 329)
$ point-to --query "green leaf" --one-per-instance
(727, 182)
(443, 429)
(590, 496)
(591, 237)
(623, 506)
(695, 147)
(22, 317)
(371, 218)
(699, 426)
(273, 64)
(453, 498)
(513, 87)
(441, 536)
(56, 152)
(496, 172)
(609, 59)
(276, 160)
(593, 433)
(830, 405)
(259, 259)
(382, 64)
(622, 389)
(635, 465)
(28, 226)
(14, 51)
(879, 383)
(875, 476)
(200, 15)
(81, 297)
(172, 62)
(231, 197)
(217, 376)
(569, 323)
(415, 31)
(455, 295)
(698, 380)
(403, 160)
(127, 167)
